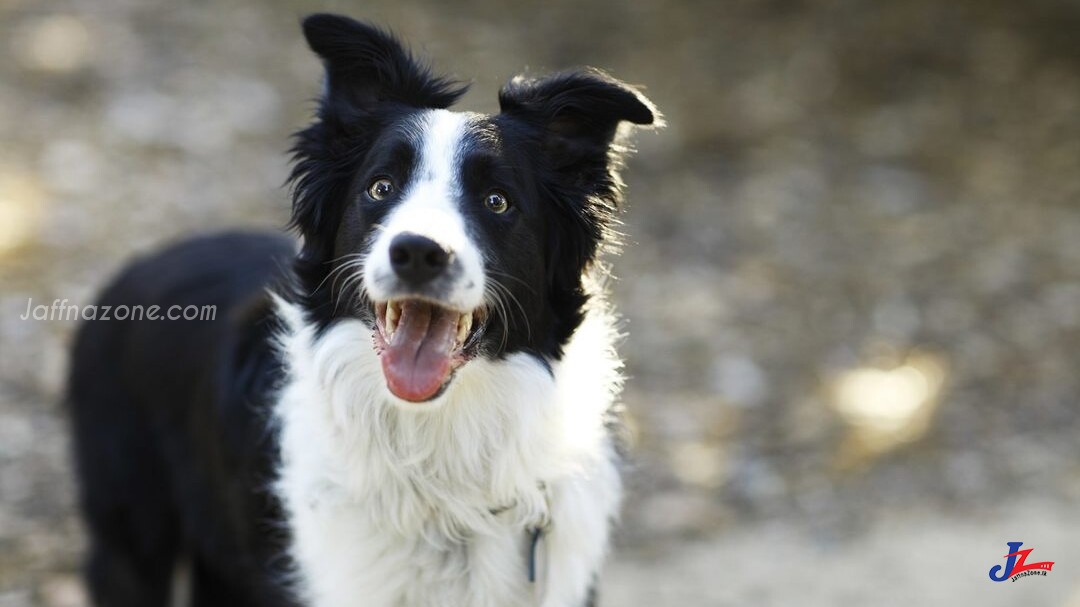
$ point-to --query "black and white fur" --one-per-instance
(268, 447)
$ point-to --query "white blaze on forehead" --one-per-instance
(443, 133)
(431, 208)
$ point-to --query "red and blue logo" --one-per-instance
(1016, 565)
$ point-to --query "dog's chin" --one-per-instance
(422, 344)
(434, 403)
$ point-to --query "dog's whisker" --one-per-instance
(355, 278)
(497, 273)
(352, 257)
(503, 294)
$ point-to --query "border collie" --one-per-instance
(415, 405)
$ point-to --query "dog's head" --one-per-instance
(452, 235)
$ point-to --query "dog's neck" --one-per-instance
(463, 481)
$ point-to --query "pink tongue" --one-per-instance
(416, 363)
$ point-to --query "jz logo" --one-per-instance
(1016, 565)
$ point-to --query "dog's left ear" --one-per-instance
(579, 112)
(576, 117)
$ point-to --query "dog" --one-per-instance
(413, 405)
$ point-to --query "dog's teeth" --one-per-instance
(463, 327)
(393, 312)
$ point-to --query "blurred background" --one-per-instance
(851, 286)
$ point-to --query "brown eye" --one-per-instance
(380, 189)
(497, 202)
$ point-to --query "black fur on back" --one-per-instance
(172, 441)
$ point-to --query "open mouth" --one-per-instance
(421, 344)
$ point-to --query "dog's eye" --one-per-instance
(497, 202)
(380, 189)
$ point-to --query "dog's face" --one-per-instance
(450, 239)
(452, 235)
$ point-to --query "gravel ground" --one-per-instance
(851, 285)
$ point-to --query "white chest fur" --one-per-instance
(430, 506)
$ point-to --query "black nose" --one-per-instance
(417, 259)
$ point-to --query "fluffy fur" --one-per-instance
(432, 508)
(279, 448)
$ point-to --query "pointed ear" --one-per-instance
(579, 111)
(366, 65)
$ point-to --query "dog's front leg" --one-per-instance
(583, 509)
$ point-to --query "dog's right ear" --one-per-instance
(366, 66)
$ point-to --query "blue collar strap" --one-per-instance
(534, 542)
